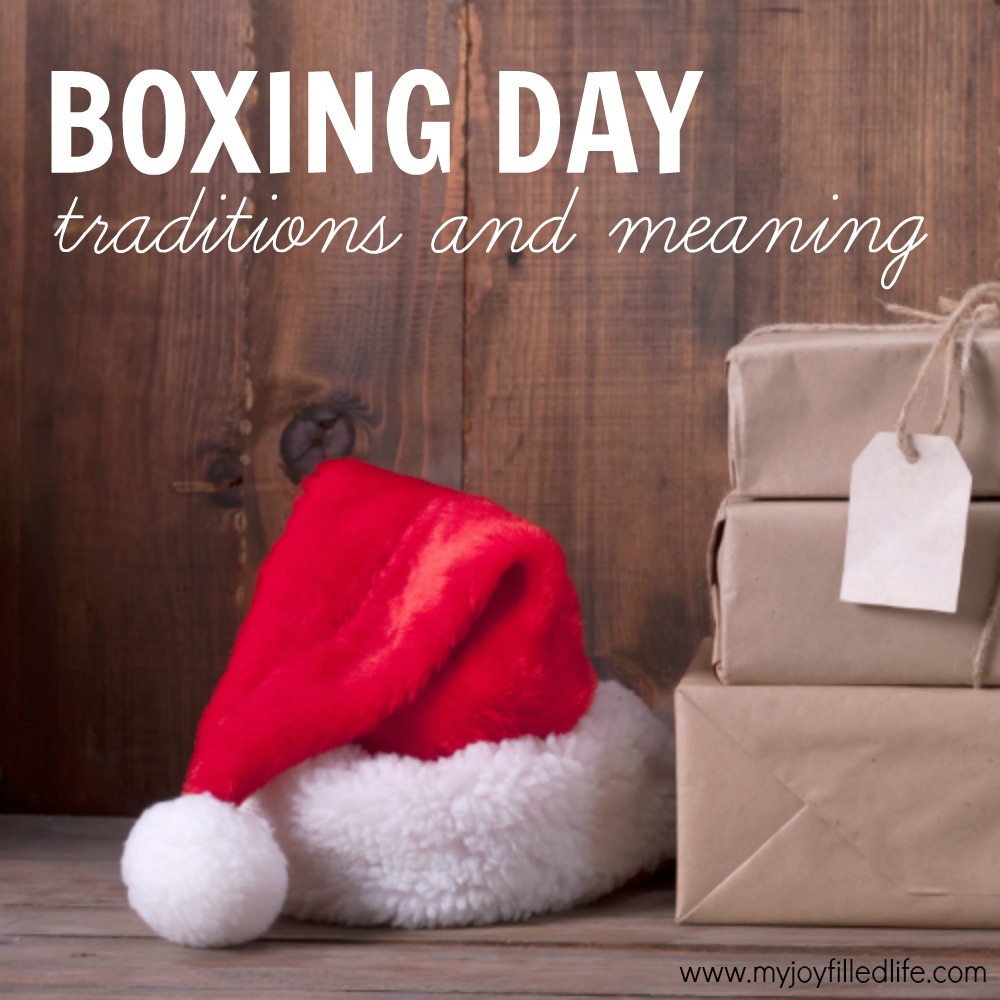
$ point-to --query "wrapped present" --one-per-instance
(805, 401)
(862, 806)
(775, 569)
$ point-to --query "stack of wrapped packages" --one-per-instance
(839, 740)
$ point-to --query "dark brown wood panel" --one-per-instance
(594, 386)
(594, 382)
(146, 396)
(13, 34)
(891, 105)
(130, 376)
(377, 336)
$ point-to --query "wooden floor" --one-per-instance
(66, 931)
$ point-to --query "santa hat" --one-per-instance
(408, 732)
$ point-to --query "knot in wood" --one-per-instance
(326, 430)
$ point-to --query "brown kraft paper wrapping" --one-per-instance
(804, 402)
(863, 806)
(775, 573)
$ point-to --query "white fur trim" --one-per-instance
(497, 831)
(203, 873)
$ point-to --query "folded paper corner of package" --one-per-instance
(809, 805)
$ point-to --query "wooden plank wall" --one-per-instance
(378, 337)
(595, 395)
(146, 399)
(128, 381)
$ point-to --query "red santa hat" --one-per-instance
(408, 732)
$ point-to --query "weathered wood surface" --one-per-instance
(384, 331)
(13, 70)
(153, 390)
(145, 399)
(595, 400)
(892, 106)
(66, 931)
(129, 382)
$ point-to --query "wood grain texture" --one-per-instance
(585, 390)
(130, 382)
(65, 930)
(594, 385)
(56, 870)
(84, 966)
(385, 329)
(891, 104)
(13, 125)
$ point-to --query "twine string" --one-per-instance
(978, 307)
(908, 312)
(988, 635)
(983, 315)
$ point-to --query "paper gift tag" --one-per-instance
(906, 525)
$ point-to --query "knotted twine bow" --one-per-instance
(978, 307)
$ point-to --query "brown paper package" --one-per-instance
(804, 402)
(863, 806)
(775, 572)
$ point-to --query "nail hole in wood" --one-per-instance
(225, 474)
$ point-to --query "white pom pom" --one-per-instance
(204, 873)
